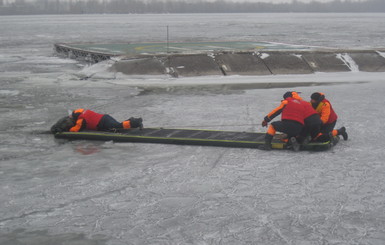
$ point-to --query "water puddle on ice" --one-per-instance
(5, 92)
(43, 237)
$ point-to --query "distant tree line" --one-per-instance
(20, 7)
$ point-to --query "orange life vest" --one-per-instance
(91, 118)
(326, 112)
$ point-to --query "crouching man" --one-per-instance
(292, 113)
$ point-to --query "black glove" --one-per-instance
(55, 130)
(264, 123)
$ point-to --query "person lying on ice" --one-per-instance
(328, 117)
(292, 112)
(82, 119)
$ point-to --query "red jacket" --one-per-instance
(294, 110)
(309, 110)
(291, 109)
(85, 119)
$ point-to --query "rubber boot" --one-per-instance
(342, 131)
(268, 139)
(307, 140)
(302, 139)
(294, 144)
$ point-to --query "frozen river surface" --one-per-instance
(82, 192)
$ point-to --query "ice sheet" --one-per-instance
(86, 192)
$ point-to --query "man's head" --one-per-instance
(292, 94)
(63, 125)
(317, 97)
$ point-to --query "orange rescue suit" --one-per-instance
(326, 112)
(85, 119)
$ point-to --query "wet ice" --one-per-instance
(106, 193)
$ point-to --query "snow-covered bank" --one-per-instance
(100, 72)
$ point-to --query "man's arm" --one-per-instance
(80, 123)
(276, 111)
(325, 112)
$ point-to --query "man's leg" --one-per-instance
(269, 137)
(293, 130)
(107, 123)
(313, 124)
(326, 132)
(342, 131)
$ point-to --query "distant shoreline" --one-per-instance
(183, 7)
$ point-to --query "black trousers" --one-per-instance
(312, 126)
(107, 123)
(326, 129)
(289, 127)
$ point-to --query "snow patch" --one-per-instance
(299, 56)
(117, 58)
(349, 62)
(99, 70)
(264, 55)
(319, 77)
(381, 53)
(46, 60)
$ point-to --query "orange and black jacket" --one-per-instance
(290, 108)
(85, 119)
(326, 112)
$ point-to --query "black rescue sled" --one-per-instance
(190, 137)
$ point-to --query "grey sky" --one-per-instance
(284, 1)
(274, 1)
(253, 1)
(265, 1)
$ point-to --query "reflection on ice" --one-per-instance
(87, 148)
